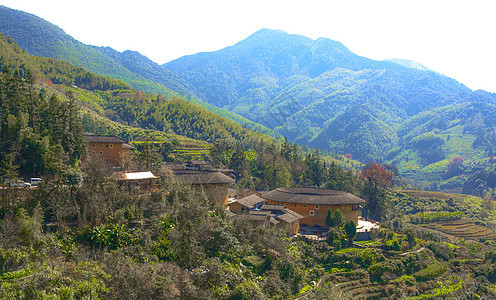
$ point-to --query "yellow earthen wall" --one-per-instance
(110, 152)
(319, 212)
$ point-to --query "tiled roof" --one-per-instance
(273, 207)
(133, 175)
(95, 138)
(289, 216)
(312, 196)
(250, 201)
(201, 177)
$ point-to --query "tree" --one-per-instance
(350, 229)
(315, 168)
(339, 218)
(329, 219)
(377, 181)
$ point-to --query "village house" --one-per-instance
(241, 193)
(254, 208)
(113, 150)
(246, 204)
(196, 165)
(213, 183)
(313, 203)
(136, 181)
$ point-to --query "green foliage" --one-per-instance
(350, 229)
(385, 271)
(40, 135)
(434, 270)
(424, 218)
(335, 219)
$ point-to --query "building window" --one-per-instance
(93, 152)
(101, 146)
(316, 206)
(294, 205)
(111, 145)
(93, 145)
(304, 205)
(311, 213)
(101, 152)
(106, 146)
(106, 160)
(316, 213)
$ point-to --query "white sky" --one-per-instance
(456, 38)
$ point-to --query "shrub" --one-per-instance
(386, 270)
(432, 271)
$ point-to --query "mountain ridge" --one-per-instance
(319, 93)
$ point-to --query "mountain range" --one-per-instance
(315, 92)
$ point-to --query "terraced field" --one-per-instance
(462, 229)
(347, 286)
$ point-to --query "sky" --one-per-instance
(455, 38)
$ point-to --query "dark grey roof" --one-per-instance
(289, 216)
(201, 177)
(260, 212)
(312, 196)
(250, 201)
(95, 138)
(272, 207)
(256, 217)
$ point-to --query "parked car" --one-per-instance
(20, 184)
(35, 181)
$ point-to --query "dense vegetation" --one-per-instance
(40, 134)
(102, 240)
(316, 92)
(98, 239)
(41, 38)
(320, 94)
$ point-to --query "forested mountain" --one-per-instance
(41, 38)
(110, 107)
(316, 92)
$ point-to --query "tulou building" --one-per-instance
(113, 150)
(214, 183)
(313, 203)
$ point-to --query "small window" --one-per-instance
(101, 146)
(294, 205)
(101, 152)
(316, 213)
(317, 206)
(111, 145)
(304, 205)
(311, 213)
(93, 145)
(106, 146)
(106, 160)
(93, 152)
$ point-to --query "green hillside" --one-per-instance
(316, 92)
(41, 38)
(113, 107)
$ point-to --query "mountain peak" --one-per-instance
(409, 64)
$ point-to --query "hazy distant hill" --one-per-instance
(409, 64)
